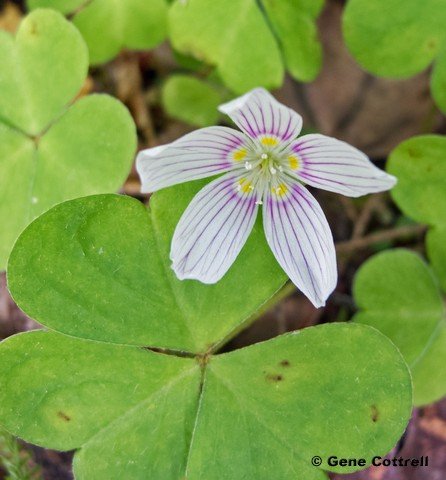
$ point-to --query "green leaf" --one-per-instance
(420, 166)
(397, 294)
(63, 6)
(261, 412)
(248, 41)
(191, 100)
(394, 40)
(431, 387)
(237, 40)
(436, 251)
(104, 262)
(310, 7)
(42, 70)
(84, 387)
(17, 165)
(438, 81)
(109, 26)
(298, 36)
(50, 151)
(88, 150)
(280, 396)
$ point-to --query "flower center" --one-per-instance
(267, 167)
(269, 164)
(264, 164)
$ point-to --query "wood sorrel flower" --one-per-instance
(266, 166)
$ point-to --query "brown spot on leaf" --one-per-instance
(33, 30)
(432, 44)
(414, 152)
(374, 413)
(64, 416)
(285, 363)
(272, 377)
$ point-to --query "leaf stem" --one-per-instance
(169, 351)
(129, 85)
(354, 244)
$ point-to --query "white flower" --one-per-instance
(266, 166)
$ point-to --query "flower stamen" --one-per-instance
(240, 154)
(294, 162)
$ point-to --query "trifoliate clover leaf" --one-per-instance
(260, 413)
(398, 294)
(398, 40)
(104, 262)
(141, 393)
(251, 42)
(52, 149)
(420, 166)
(191, 100)
(108, 27)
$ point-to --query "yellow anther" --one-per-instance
(293, 161)
(240, 154)
(244, 186)
(269, 141)
(280, 190)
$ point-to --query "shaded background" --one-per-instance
(373, 114)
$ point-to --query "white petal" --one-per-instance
(336, 166)
(213, 230)
(299, 236)
(260, 115)
(200, 154)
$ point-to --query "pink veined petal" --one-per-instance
(200, 154)
(299, 236)
(213, 229)
(261, 116)
(336, 166)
